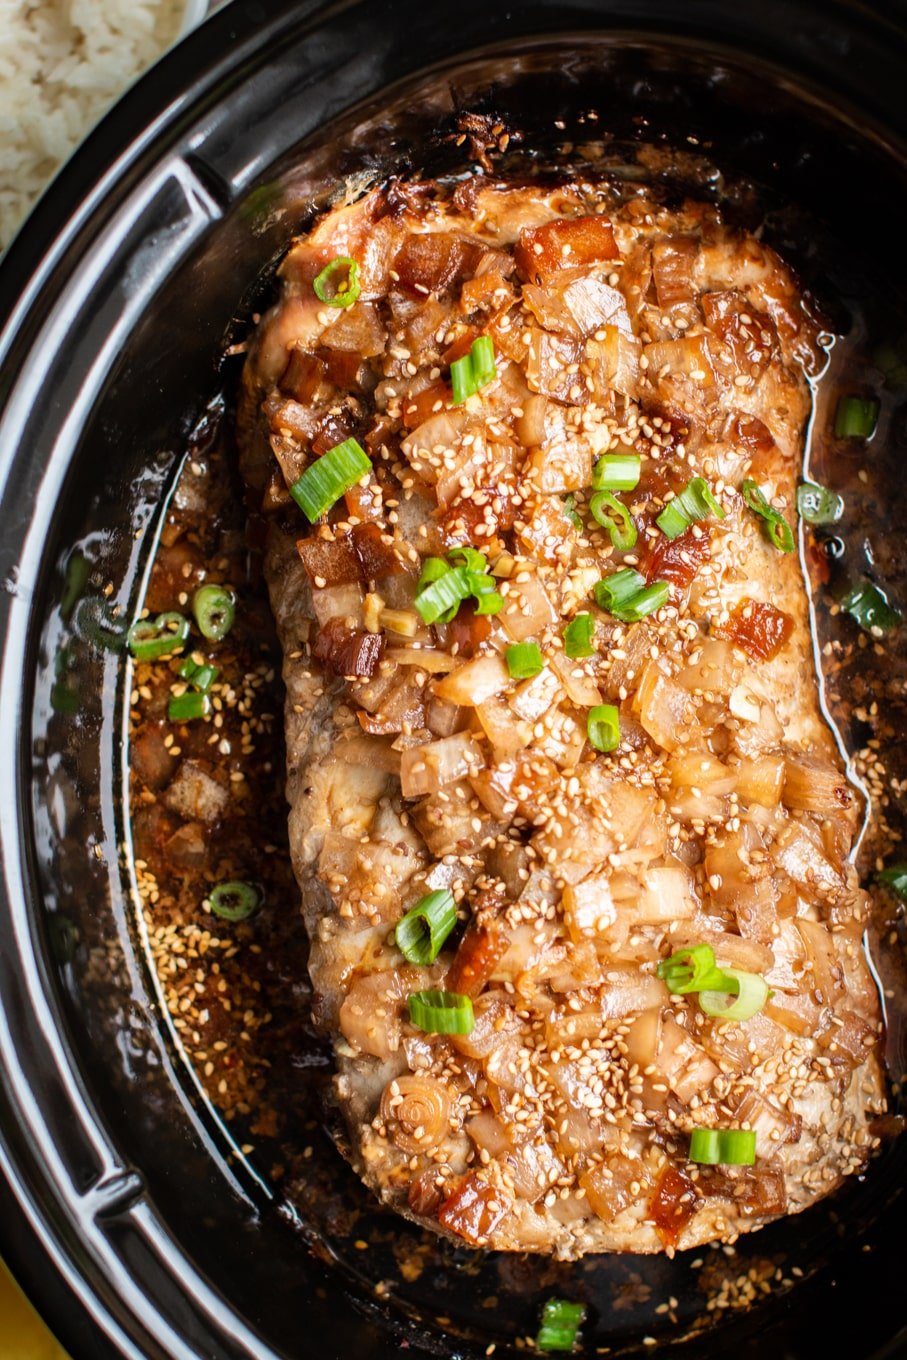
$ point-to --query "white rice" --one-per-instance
(62, 63)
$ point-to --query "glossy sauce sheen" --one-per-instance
(415, 762)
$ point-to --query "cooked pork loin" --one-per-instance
(560, 1120)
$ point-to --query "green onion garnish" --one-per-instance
(149, 639)
(462, 381)
(441, 1012)
(199, 677)
(560, 1323)
(338, 283)
(443, 586)
(464, 556)
(235, 901)
(578, 636)
(612, 515)
(330, 477)
(775, 526)
(603, 727)
(423, 930)
(572, 514)
(78, 570)
(817, 505)
(870, 606)
(626, 595)
(439, 601)
(474, 370)
(214, 608)
(96, 623)
(856, 417)
(524, 660)
(616, 472)
(188, 706)
(482, 356)
(891, 359)
(692, 970)
(723, 1147)
(741, 1002)
(895, 879)
(694, 502)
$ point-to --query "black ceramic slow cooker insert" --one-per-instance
(124, 1206)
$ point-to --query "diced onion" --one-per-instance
(426, 769)
(474, 682)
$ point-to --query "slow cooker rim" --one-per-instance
(102, 170)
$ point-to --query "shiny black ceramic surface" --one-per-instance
(130, 1220)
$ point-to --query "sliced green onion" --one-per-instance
(441, 1012)
(560, 1323)
(474, 370)
(439, 601)
(617, 472)
(723, 1147)
(692, 970)
(482, 356)
(186, 707)
(465, 556)
(775, 526)
(96, 623)
(524, 659)
(433, 568)
(330, 477)
(64, 699)
(462, 380)
(618, 522)
(694, 502)
(78, 570)
(199, 677)
(214, 608)
(235, 901)
(895, 879)
(891, 359)
(603, 727)
(571, 512)
(338, 283)
(482, 588)
(856, 417)
(616, 591)
(870, 606)
(442, 587)
(149, 639)
(626, 595)
(423, 930)
(817, 505)
(578, 636)
(741, 1002)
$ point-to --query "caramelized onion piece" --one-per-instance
(473, 1211)
(614, 1184)
(416, 1111)
(348, 651)
(565, 244)
(672, 1205)
(425, 1194)
(758, 629)
(675, 560)
(329, 562)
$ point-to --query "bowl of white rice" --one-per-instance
(63, 63)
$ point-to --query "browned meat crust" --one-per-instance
(562, 1122)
